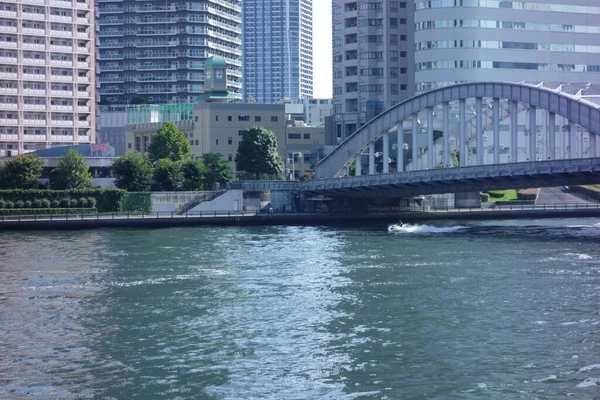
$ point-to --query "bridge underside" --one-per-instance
(454, 180)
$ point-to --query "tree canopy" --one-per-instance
(169, 142)
(167, 175)
(132, 172)
(193, 172)
(21, 172)
(216, 170)
(257, 153)
(71, 172)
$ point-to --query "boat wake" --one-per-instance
(410, 228)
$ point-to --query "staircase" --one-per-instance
(184, 208)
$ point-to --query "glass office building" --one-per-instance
(278, 58)
(153, 51)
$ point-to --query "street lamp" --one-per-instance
(291, 159)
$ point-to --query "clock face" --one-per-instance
(219, 74)
(207, 74)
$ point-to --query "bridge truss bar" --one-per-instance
(514, 141)
(593, 152)
(572, 138)
(371, 158)
(446, 133)
(496, 118)
(415, 131)
(358, 164)
(580, 136)
(386, 152)
(551, 135)
(430, 149)
(462, 148)
(400, 147)
(479, 130)
(532, 134)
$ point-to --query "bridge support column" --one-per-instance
(593, 148)
(532, 134)
(572, 144)
(446, 133)
(371, 158)
(415, 146)
(580, 135)
(514, 134)
(358, 164)
(551, 135)
(430, 149)
(479, 129)
(400, 149)
(462, 148)
(386, 152)
(496, 122)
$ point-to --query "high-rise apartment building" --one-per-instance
(534, 41)
(372, 60)
(278, 57)
(153, 51)
(46, 74)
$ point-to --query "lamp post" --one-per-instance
(291, 159)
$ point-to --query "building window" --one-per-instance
(230, 157)
(274, 118)
(216, 117)
(294, 136)
(229, 140)
(229, 118)
(128, 145)
(243, 118)
(217, 141)
(257, 118)
(241, 132)
(196, 142)
(307, 136)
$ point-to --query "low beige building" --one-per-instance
(219, 127)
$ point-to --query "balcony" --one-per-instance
(9, 137)
(82, 64)
(83, 109)
(33, 16)
(8, 60)
(34, 46)
(62, 78)
(55, 107)
(34, 77)
(67, 34)
(68, 93)
(61, 18)
(33, 92)
(8, 45)
(34, 122)
(34, 61)
(38, 2)
(83, 124)
(83, 50)
(83, 6)
(7, 75)
(83, 35)
(62, 138)
(62, 49)
(61, 63)
(61, 3)
(8, 29)
(33, 31)
(84, 94)
(83, 21)
(62, 122)
(34, 138)
(8, 13)
(9, 106)
(34, 107)
(6, 121)
(83, 79)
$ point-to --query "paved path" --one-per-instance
(558, 195)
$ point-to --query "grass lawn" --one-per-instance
(503, 195)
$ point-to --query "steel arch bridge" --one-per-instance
(473, 129)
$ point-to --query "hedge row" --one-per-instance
(107, 200)
(65, 202)
(527, 194)
(47, 211)
(588, 191)
(137, 202)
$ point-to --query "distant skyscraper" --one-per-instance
(278, 58)
(153, 51)
(372, 60)
(46, 74)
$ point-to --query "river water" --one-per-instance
(483, 310)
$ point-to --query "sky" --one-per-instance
(322, 48)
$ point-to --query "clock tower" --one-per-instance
(215, 74)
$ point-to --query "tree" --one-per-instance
(167, 175)
(193, 172)
(216, 170)
(21, 172)
(132, 172)
(169, 142)
(72, 172)
(257, 153)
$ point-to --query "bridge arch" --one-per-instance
(505, 100)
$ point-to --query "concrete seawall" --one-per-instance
(286, 219)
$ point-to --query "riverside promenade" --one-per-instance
(348, 217)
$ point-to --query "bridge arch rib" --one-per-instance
(574, 109)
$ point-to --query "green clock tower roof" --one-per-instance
(215, 62)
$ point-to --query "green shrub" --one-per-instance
(46, 211)
(19, 204)
(65, 202)
(2, 203)
(9, 204)
(27, 204)
(107, 200)
(55, 204)
(37, 203)
(45, 203)
(141, 202)
(74, 203)
(91, 202)
(485, 197)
